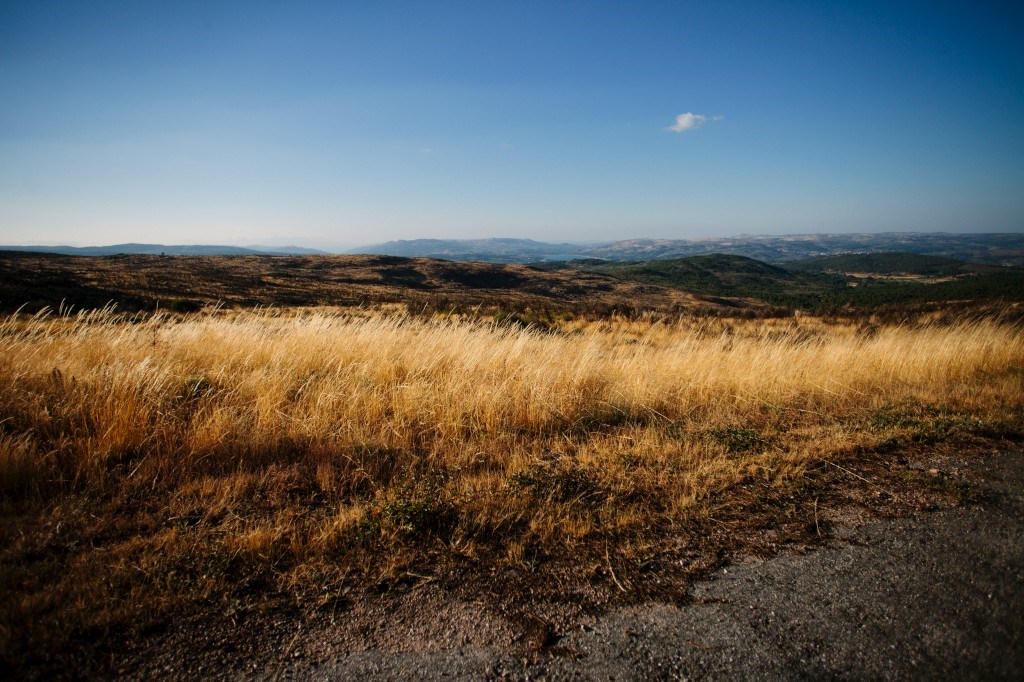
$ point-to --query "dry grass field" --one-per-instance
(225, 461)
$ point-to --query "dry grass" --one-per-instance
(151, 462)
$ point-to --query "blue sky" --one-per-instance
(343, 123)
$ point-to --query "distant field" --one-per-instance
(542, 294)
(227, 463)
(896, 263)
(995, 248)
(828, 283)
(32, 282)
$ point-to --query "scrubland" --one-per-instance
(216, 460)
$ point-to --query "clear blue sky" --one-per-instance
(341, 123)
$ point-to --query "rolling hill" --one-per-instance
(861, 280)
(144, 282)
(701, 284)
(892, 263)
(995, 248)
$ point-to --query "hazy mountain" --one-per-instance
(498, 250)
(995, 248)
(287, 250)
(166, 250)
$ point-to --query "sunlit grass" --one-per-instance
(209, 455)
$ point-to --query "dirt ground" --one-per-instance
(939, 594)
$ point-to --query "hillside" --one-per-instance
(995, 248)
(702, 284)
(188, 282)
(892, 263)
(860, 280)
(724, 275)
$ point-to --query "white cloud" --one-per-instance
(689, 121)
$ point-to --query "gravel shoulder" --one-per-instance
(934, 595)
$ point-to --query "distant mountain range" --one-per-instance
(167, 250)
(993, 248)
(497, 250)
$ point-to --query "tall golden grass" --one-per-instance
(177, 398)
(322, 443)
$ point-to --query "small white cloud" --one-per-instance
(508, 147)
(426, 150)
(689, 121)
